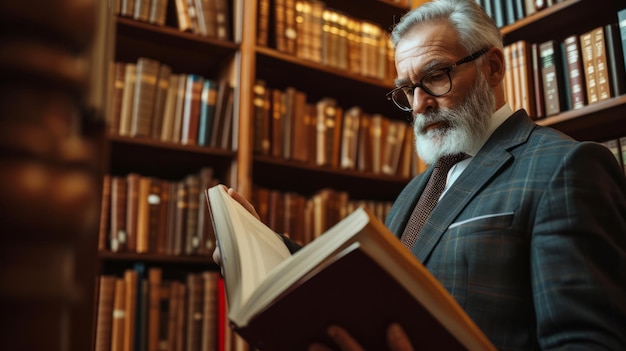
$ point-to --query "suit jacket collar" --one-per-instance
(493, 156)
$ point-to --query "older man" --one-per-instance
(528, 229)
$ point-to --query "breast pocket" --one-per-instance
(486, 222)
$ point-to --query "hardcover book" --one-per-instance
(278, 301)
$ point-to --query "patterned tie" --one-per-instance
(429, 198)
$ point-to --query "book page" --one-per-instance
(249, 249)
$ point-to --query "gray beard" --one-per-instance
(465, 127)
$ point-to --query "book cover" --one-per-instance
(621, 24)
(537, 86)
(169, 109)
(577, 89)
(191, 110)
(263, 16)
(105, 213)
(119, 315)
(117, 94)
(195, 311)
(158, 12)
(527, 95)
(615, 61)
(600, 59)
(552, 74)
(589, 66)
(104, 314)
(126, 108)
(299, 125)
(154, 308)
(207, 25)
(208, 103)
(278, 301)
(147, 72)
(179, 109)
(158, 111)
(132, 210)
(117, 231)
(209, 311)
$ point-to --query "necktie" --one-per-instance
(429, 198)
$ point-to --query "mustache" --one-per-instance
(444, 116)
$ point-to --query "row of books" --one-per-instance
(311, 31)
(149, 11)
(151, 101)
(142, 310)
(142, 214)
(618, 148)
(551, 77)
(321, 133)
(506, 12)
(208, 18)
(305, 218)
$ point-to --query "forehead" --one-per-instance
(427, 44)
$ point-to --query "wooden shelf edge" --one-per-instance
(539, 15)
(131, 24)
(156, 144)
(339, 172)
(152, 257)
(276, 55)
(585, 112)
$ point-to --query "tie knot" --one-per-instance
(446, 162)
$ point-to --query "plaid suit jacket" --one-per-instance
(531, 239)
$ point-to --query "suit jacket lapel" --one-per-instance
(493, 156)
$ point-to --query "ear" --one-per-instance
(494, 66)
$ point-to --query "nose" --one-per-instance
(422, 101)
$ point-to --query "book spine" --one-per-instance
(552, 77)
(105, 213)
(576, 77)
(104, 315)
(600, 59)
(589, 65)
(615, 62)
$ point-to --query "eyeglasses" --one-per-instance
(435, 83)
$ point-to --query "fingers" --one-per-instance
(244, 202)
(397, 339)
(318, 347)
(343, 339)
(217, 258)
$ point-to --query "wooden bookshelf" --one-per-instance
(598, 121)
(243, 61)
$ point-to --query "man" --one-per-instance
(529, 235)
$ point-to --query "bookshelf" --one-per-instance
(599, 121)
(151, 295)
(280, 70)
(243, 62)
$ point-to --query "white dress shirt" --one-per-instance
(499, 117)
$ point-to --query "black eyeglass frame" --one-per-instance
(447, 70)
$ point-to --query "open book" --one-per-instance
(357, 275)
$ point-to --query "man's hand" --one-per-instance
(243, 201)
(396, 339)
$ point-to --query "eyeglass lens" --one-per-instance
(435, 83)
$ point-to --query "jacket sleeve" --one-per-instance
(578, 254)
(291, 245)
